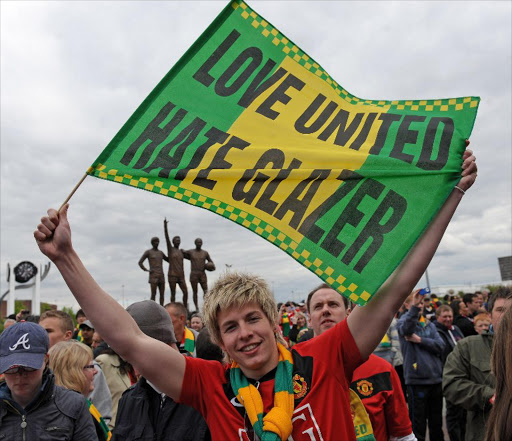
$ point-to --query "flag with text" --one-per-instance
(249, 126)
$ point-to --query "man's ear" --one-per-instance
(349, 310)
(68, 335)
(221, 345)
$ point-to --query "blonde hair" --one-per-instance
(237, 289)
(65, 320)
(300, 314)
(67, 361)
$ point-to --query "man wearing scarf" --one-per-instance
(303, 393)
(185, 337)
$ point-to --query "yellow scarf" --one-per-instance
(276, 424)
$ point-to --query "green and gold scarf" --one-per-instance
(189, 340)
(285, 321)
(276, 424)
(101, 422)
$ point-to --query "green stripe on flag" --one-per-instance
(249, 126)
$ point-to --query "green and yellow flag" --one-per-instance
(249, 126)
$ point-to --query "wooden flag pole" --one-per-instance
(73, 191)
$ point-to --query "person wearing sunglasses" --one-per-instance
(32, 407)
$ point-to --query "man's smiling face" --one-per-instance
(248, 338)
(326, 309)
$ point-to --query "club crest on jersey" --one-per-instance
(23, 341)
(365, 388)
(300, 387)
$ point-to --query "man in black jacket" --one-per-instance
(450, 333)
(146, 413)
(461, 319)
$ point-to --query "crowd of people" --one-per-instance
(418, 345)
(393, 395)
(322, 370)
(57, 359)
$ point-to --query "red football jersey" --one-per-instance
(322, 371)
(378, 385)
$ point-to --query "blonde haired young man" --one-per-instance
(271, 395)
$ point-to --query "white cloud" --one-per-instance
(73, 72)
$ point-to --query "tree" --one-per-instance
(71, 313)
(45, 307)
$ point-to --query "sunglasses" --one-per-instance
(89, 366)
(19, 369)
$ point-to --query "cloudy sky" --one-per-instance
(73, 72)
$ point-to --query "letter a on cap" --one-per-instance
(23, 340)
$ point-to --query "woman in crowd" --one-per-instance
(72, 365)
(299, 325)
(196, 322)
(499, 424)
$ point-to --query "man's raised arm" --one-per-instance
(167, 239)
(149, 356)
(390, 296)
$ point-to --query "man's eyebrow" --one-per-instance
(247, 315)
(251, 314)
(226, 323)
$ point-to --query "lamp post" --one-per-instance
(428, 281)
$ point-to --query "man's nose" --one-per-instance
(245, 331)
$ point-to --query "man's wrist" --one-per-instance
(66, 259)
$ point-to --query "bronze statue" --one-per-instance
(200, 261)
(156, 271)
(176, 273)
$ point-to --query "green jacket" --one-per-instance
(469, 383)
